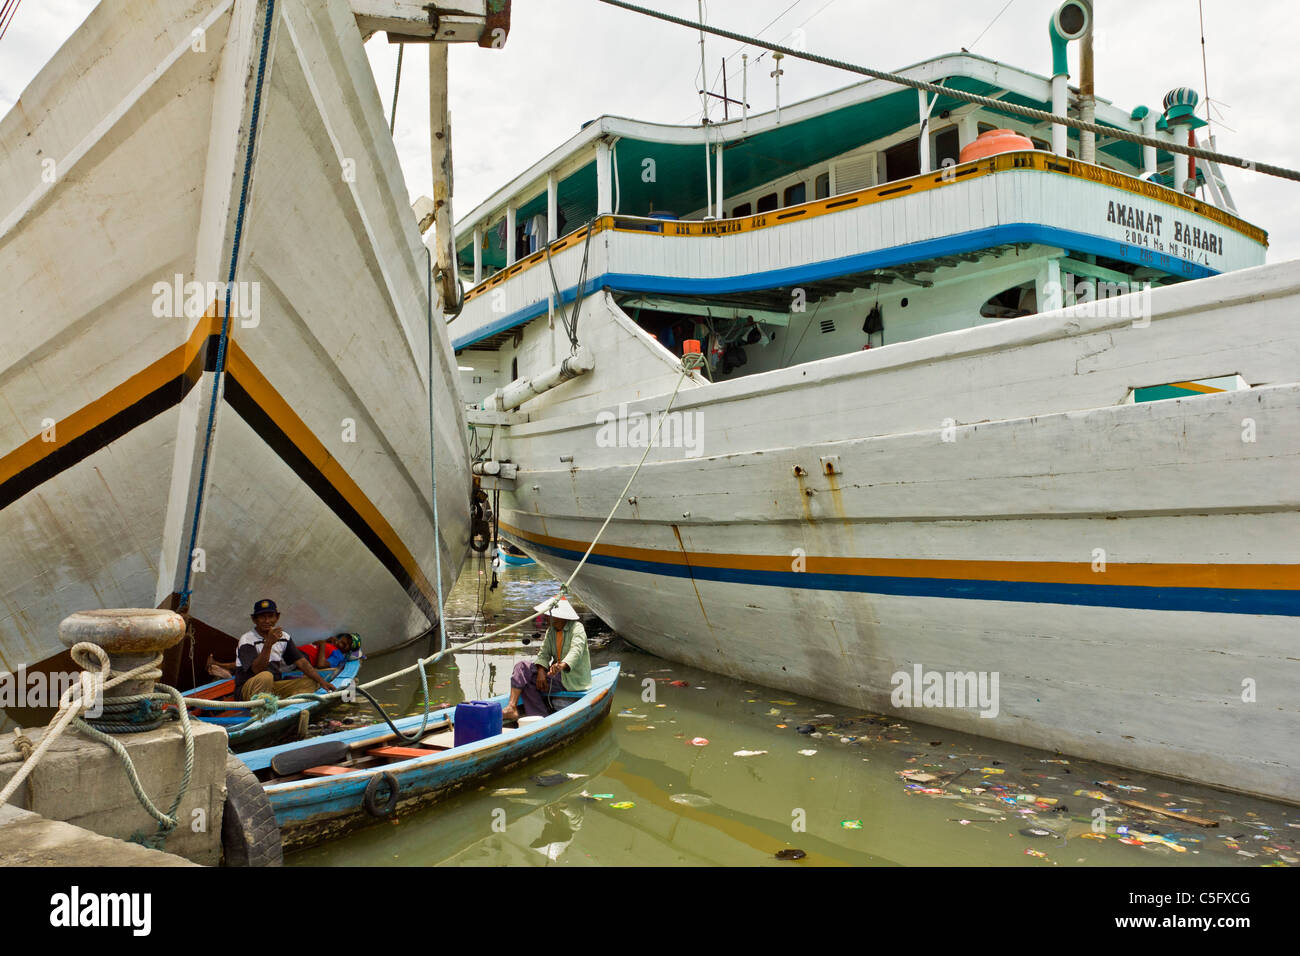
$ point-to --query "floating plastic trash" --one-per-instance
(748, 753)
(851, 824)
(806, 753)
(695, 800)
(624, 805)
(790, 854)
(698, 741)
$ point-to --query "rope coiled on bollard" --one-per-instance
(88, 693)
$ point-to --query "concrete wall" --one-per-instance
(82, 782)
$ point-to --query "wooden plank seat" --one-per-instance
(326, 771)
(401, 753)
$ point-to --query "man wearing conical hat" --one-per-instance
(563, 663)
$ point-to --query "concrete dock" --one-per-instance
(29, 839)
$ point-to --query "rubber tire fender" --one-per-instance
(370, 800)
(249, 834)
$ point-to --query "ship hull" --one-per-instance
(1120, 578)
(217, 362)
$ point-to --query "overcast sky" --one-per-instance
(568, 61)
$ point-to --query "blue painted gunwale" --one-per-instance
(284, 718)
(310, 810)
(515, 560)
(974, 240)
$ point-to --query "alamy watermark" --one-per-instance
(74, 909)
(25, 688)
(1111, 300)
(624, 429)
(190, 300)
(955, 689)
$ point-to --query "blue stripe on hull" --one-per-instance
(963, 242)
(1205, 600)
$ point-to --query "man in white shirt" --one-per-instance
(265, 652)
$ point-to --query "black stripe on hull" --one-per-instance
(171, 394)
(161, 399)
(291, 455)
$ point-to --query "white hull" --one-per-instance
(316, 487)
(1130, 571)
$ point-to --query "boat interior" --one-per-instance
(332, 757)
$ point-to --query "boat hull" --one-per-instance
(320, 809)
(284, 721)
(982, 503)
(233, 402)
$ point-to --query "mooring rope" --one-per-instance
(81, 697)
(1026, 111)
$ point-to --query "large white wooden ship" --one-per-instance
(222, 342)
(927, 440)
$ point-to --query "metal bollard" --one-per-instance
(132, 636)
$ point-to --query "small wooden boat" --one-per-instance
(289, 719)
(513, 556)
(328, 786)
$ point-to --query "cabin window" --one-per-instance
(822, 186)
(947, 145)
(1012, 303)
(1042, 144)
(903, 160)
(796, 194)
(514, 369)
(744, 209)
(767, 203)
(985, 128)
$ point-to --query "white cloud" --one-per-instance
(568, 61)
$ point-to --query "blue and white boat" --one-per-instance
(327, 786)
(287, 719)
(982, 399)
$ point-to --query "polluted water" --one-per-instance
(714, 771)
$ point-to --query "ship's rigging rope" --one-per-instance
(987, 102)
(433, 471)
(220, 365)
(570, 321)
(397, 86)
(7, 15)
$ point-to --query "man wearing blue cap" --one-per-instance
(265, 652)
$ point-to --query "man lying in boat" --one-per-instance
(335, 651)
(265, 652)
(563, 663)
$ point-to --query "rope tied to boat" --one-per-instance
(23, 744)
(82, 697)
